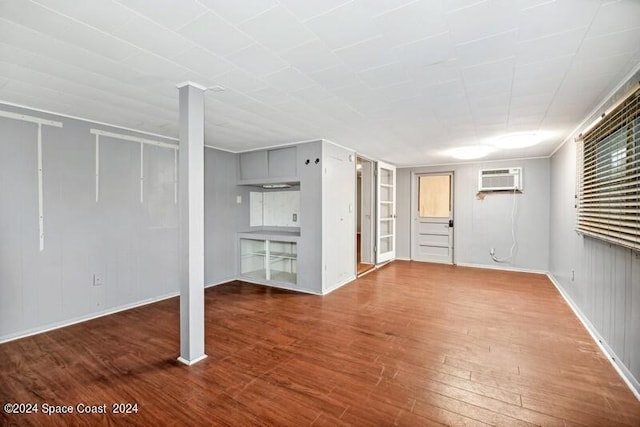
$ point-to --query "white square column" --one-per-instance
(191, 180)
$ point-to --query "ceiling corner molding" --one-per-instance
(190, 83)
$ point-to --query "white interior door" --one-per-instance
(386, 229)
(433, 218)
(366, 214)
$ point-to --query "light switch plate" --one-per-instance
(98, 280)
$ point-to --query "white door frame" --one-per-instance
(391, 254)
(367, 234)
(414, 210)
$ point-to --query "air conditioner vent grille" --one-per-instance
(500, 179)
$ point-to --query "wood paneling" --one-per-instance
(408, 344)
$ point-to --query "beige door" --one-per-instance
(433, 218)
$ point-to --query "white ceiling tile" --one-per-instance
(331, 26)
(493, 101)
(529, 105)
(452, 88)
(385, 75)
(311, 56)
(215, 34)
(104, 15)
(527, 4)
(203, 62)
(240, 81)
(380, 7)
(238, 11)
(258, 108)
(354, 93)
(257, 60)
(614, 17)
(491, 49)
(488, 87)
(172, 14)
(482, 20)
(150, 36)
(277, 29)
(307, 9)
(436, 73)
(97, 42)
(231, 97)
(556, 17)
(549, 47)
(367, 54)
(429, 51)
(269, 95)
(554, 68)
(627, 41)
(503, 69)
(334, 77)
(34, 16)
(289, 79)
(523, 123)
(412, 22)
(153, 66)
(313, 95)
(541, 84)
(588, 65)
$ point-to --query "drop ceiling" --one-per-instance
(397, 80)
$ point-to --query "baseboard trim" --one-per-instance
(340, 284)
(191, 362)
(615, 361)
(220, 282)
(274, 285)
(65, 323)
(501, 267)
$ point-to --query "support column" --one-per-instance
(191, 183)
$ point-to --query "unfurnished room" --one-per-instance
(320, 212)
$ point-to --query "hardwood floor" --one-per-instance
(409, 344)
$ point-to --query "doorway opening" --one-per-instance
(365, 215)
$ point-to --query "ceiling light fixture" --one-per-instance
(516, 140)
(268, 186)
(470, 152)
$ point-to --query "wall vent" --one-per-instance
(500, 179)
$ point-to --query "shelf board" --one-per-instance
(287, 255)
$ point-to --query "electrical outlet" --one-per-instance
(295, 217)
(98, 280)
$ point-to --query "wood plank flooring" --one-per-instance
(409, 344)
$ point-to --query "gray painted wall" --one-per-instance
(481, 224)
(133, 246)
(605, 284)
(223, 216)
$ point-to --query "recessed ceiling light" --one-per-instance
(470, 152)
(516, 140)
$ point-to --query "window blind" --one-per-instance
(608, 176)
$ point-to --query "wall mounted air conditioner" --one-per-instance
(500, 179)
